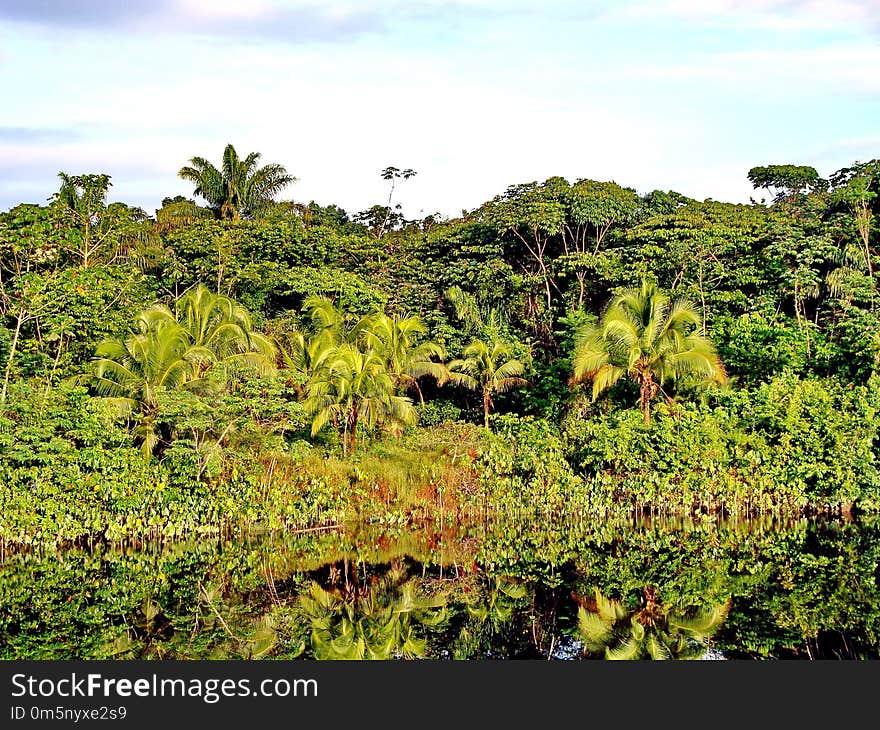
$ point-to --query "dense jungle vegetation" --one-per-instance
(232, 360)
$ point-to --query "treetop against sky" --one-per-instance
(473, 94)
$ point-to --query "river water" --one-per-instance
(533, 588)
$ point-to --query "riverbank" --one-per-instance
(688, 461)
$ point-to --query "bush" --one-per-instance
(791, 444)
(435, 412)
(523, 469)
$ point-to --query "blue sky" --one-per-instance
(473, 94)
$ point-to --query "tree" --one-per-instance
(534, 215)
(392, 174)
(31, 296)
(355, 371)
(187, 348)
(652, 631)
(218, 328)
(129, 372)
(98, 231)
(477, 320)
(786, 182)
(855, 188)
(489, 367)
(650, 338)
(354, 388)
(240, 188)
(592, 209)
(179, 212)
(394, 338)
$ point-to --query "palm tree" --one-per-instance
(355, 388)
(303, 356)
(489, 367)
(240, 188)
(649, 337)
(129, 372)
(304, 352)
(480, 321)
(394, 339)
(652, 631)
(222, 329)
(188, 347)
(179, 212)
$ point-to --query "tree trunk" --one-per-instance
(87, 242)
(12, 347)
(487, 399)
(581, 275)
(647, 390)
(54, 367)
(352, 430)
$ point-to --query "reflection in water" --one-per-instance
(492, 618)
(651, 631)
(792, 590)
(383, 619)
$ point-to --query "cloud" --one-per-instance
(792, 16)
(81, 13)
(243, 20)
(37, 135)
(290, 21)
(473, 105)
(765, 72)
(294, 21)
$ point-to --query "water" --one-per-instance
(534, 589)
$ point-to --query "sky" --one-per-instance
(475, 95)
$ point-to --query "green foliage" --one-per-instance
(188, 310)
(787, 179)
(190, 348)
(755, 348)
(650, 338)
(353, 373)
(240, 187)
(433, 413)
(489, 367)
(523, 470)
(790, 445)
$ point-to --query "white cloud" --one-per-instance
(773, 71)
(778, 15)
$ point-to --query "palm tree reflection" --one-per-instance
(651, 631)
(386, 617)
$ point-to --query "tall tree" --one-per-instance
(534, 216)
(396, 340)
(490, 368)
(855, 188)
(355, 389)
(786, 182)
(393, 175)
(188, 347)
(98, 231)
(239, 188)
(650, 338)
(592, 209)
